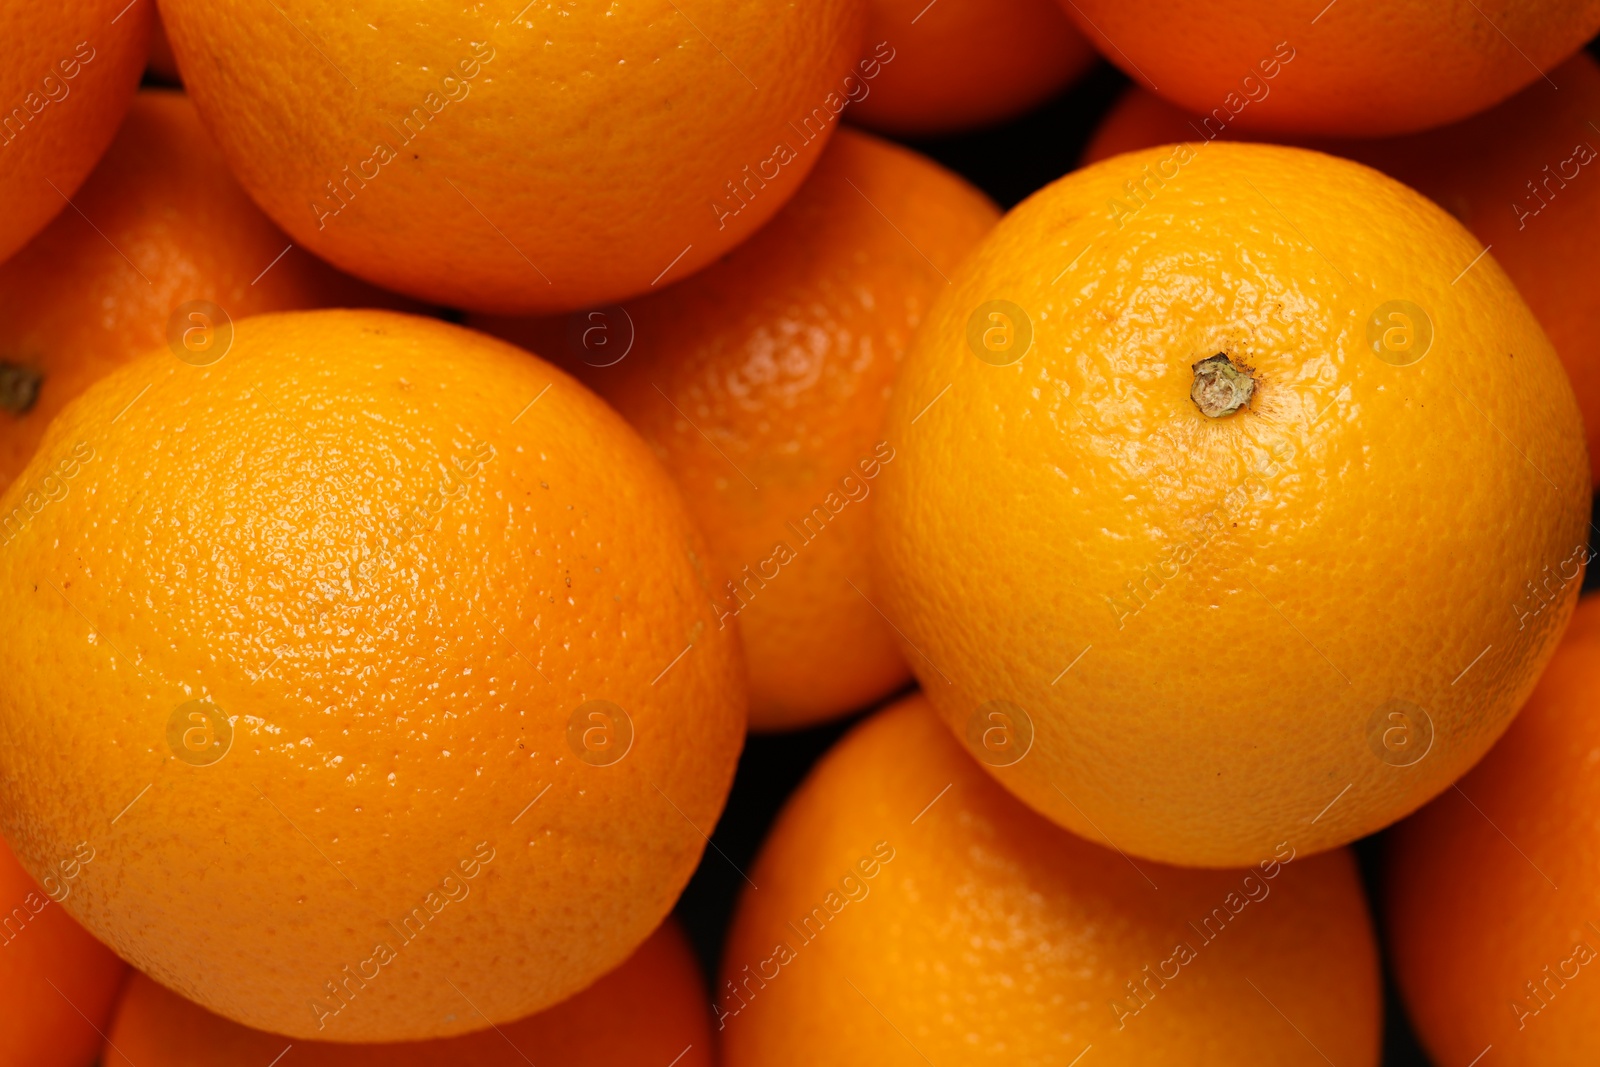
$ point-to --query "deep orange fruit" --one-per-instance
(650, 1010)
(1198, 531)
(160, 231)
(939, 68)
(761, 384)
(67, 74)
(58, 985)
(907, 910)
(1493, 891)
(1516, 176)
(1341, 69)
(520, 158)
(391, 642)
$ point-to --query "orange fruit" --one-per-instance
(520, 161)
(1349, 70)
(910, 911)
(58, 984)
(957, 64)
(761, 384)
(1493, 890)
(67, 74)
(392, 644)
(647, 1011)
(1512, 175)
(1200, 511)
(159, 225)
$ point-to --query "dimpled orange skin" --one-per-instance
(72, 308)
(990, 936)
(401, 557)
(1480, 171)
(1474, 912)
(1206, 620)
(67, 75)
(645, 1012)
(1352, 70)
(564, 155)
(41, 945)
(783, 355)
(966, 63)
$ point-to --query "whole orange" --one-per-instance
(520, 157)
(58, 985)
(1343, 69)
(907, 910)
(67, 73)
(159, 227)
(647, 1011)
(377, 661)
(1226, 473)
(1493, 891)
(957, 64)
(761, 384)
(1516, 176)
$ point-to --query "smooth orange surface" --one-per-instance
(1341, 69)
(1208, 622)
(400, 560)
(159, 223)
(57, 984)
(957, 64)
(67, 74)
(538, 160)
(910, 911)
(646, 1012)
(1518, 176)
(1493, 890)
(761, 384)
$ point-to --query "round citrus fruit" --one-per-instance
(57, 983)
(950, 66)
(1493, 894)
(647, 1011)
(163, 244)
(1513, 175)
(1223, 471)
(761, 384)
(1351, 70)
(378, 662)
(907, 905)
(517, 161)
(67, 73)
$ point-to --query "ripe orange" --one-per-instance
(648, 1011)
(761, 384)
(160, 223)
(58, 985)
(379, 663)
(67, 73)
(1493, 891)
(1213, 631)
(1351, 70)
(1516, 176)
(520, 161)
(909, 911)
(963, 63)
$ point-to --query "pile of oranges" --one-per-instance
(435, 438)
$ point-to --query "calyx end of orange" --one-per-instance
(1221, 386)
